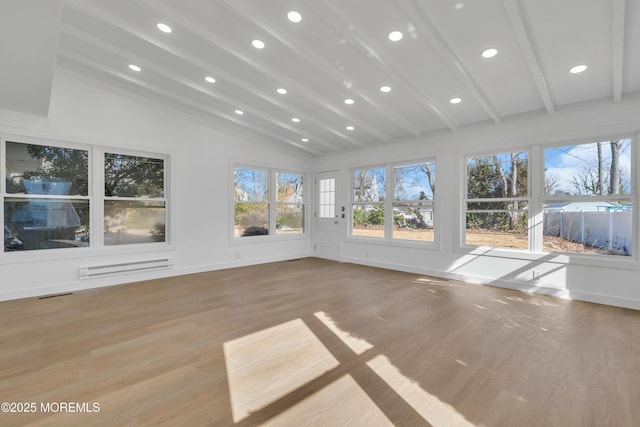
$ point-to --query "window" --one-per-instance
(47, 200)
(405, 214)
(587, 202)
(267, 202)
(368, 202)
(497, 201)
(289, 206)
(414, 186)
(134, 202)
(327, 198)
(49, 195)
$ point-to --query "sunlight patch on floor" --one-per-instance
(357, 345)
(432, 409)
(341, 403)
(265, 366)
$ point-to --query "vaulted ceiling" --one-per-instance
(341, 50)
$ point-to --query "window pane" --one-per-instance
(133, 176)
(589, 227)
(251, 219)
(369, 185)
(327, 198)
(251, 185)
(45, 223)
(289, 187)
(595, 169)
(368, 220)
(497, 224)
(498, 176)
(413, 221)
(128, 222)
(289, 219)
(42, 169)
(414, 182)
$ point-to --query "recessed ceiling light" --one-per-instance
(239, 112)
(258, 44)
(164, 28)
(281, 91)
(305, 140)
(295, 120)
(489, 53)
(294, 16)
(349, 101)
(455, 100)
(385, 89)
(578, 69)
(210, 79)
(134, 67)
(350, 128)
(395, 36)
(458, 6)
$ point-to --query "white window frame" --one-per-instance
(632, 197)
(103, 197)
(466, 200)
(96, 201)
(272, 203)
(388, 205)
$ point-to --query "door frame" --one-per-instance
(341, 215)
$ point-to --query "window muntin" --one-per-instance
(369, 186)
(496, 205)
(134, 202)
(327, 198)
(267, 202)
(413, 205)
(587, 205)
(47, 204)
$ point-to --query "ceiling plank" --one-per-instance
(515, 17)
(242, 11)
(74, 61)
(233, 103)
(358, 40)
(419, 13)
(618, 47)
(211, 38)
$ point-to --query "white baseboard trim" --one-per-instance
(507, 284)
(87, 284)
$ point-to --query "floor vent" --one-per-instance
(124, 267)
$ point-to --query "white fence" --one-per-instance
(609, 230)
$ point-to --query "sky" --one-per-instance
(564, 163)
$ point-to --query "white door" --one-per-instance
(328, 216)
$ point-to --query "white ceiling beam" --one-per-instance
(515, 17)
(419, 13)
(242, 11)
(211, 38)
(618, 48)
(349, 32)
(74, 61)
(233, 104)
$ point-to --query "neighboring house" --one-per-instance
(585, 207)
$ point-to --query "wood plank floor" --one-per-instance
(315, 342)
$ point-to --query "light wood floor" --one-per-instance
(314, 342)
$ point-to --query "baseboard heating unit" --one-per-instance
(124, 267)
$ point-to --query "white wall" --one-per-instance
(84, 111)
(610, 281)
